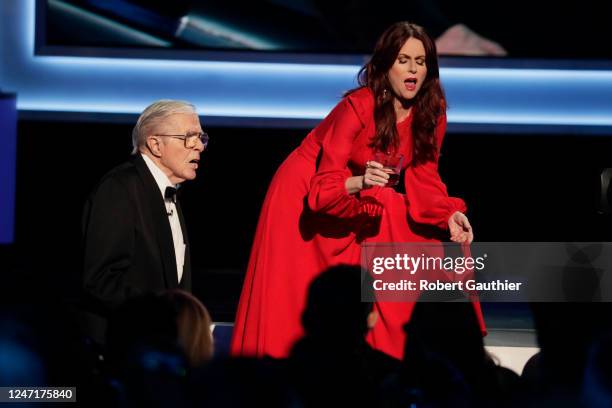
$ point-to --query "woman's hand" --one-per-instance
(375, 175)
(460, 228)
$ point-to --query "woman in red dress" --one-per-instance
(328, 194)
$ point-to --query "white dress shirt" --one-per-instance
(175, 224)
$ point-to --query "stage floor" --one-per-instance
(511, 338)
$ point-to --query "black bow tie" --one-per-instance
(170, 194)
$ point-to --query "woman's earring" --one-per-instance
(385, 93)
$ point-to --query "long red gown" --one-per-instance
(309, 222)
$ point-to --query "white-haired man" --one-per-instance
(135, 240)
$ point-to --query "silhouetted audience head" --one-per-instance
(144, 357)
(449, 329)
(334, 309)
(143, 322)
(332, 364)
(565, 332)
(445, 356)
(193, 326)
(172, 321)
(443, 342)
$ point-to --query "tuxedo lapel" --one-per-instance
(159, 218)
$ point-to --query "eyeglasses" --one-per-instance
(191, 141)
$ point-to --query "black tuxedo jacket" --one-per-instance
(128, 248)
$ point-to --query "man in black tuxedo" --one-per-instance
(135, 239)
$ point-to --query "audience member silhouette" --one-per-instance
(332, 364)
(146, 363)
(193, 325)
(445, 359)
(565, 333)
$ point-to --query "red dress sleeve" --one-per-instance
(327, 188)
(428, 200)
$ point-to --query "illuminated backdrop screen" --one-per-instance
(520, 28)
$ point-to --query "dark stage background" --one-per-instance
(518, 188)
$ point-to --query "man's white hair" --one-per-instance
(153, 115)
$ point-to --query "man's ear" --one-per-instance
(153, 144)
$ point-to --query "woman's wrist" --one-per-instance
(354, 184)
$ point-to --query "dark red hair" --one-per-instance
(428, 105)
